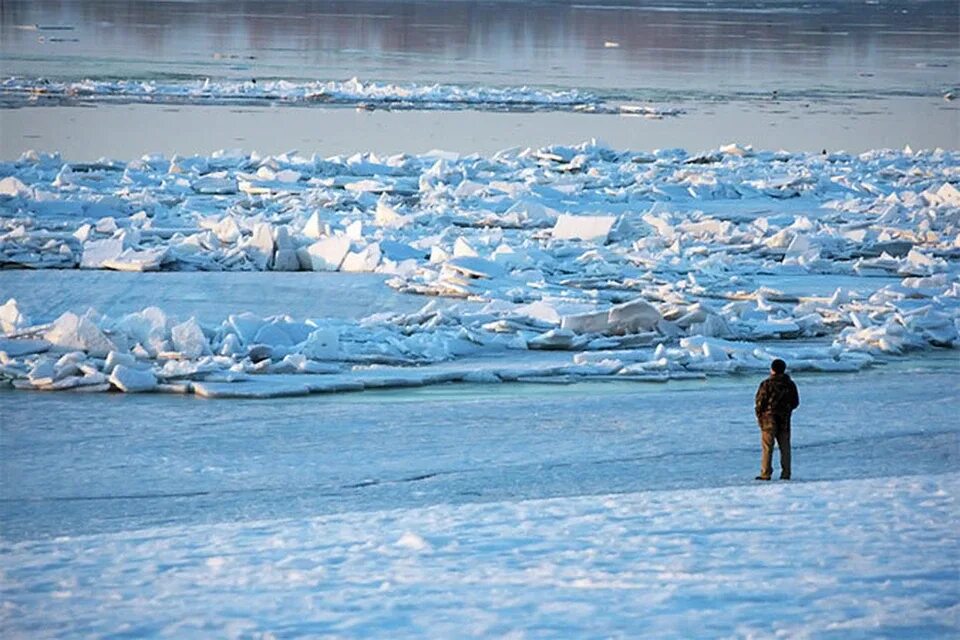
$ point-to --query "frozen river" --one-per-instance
(77, 464)
(827, 75)
(208, 296)
(560, 487)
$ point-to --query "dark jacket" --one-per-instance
(776, 399)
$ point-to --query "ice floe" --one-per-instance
(23, 91)
(560, 250)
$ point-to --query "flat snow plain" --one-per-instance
(587, 510)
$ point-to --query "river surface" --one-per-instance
(78, 464)
(822, 74)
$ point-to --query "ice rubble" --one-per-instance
(644, 265)
(21, 91)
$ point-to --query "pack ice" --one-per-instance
(23, 91)
(571, 262)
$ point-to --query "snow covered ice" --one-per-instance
(592, 510)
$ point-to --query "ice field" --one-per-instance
(420, 319)
(592, 509)
(644, 265)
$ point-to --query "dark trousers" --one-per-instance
(775, 430)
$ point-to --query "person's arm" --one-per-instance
(795, 400)
(760, 400)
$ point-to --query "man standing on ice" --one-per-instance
(776, 399)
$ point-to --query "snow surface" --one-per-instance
(586, 510)
(864, 558)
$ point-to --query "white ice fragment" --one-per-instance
(148, 327)
(593, 322)
(633, 316)
(71, 331)
(413, 542)
(322, 344)
(212, 184)
(462, 248)
(188, 339)
(260, 246)
(11, 318)
(245, 326)
(83, 232)
(131, 380)
(475, 267)
(326, 254)
(540, 310)
(13, 187)
(734, 149)
(231, 346)
(399, 251)
(367, 186)
(570, 227)
(949, 194)
(315, 228)
(96, 252)
(115, 358)
(468, 189)
(354, 231)
(438, 255)
(365, 260)
(107, 224)
(387, 216)
(227, 230)
(801, 247)
(554, 339)
(132, 260)
(287, 176)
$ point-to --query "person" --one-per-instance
(776, 399)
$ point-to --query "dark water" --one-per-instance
(666, 49)
(820, 74)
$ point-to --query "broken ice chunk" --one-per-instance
(11, 318)
(326, 254)
(365, 260)
(96, 252)
(387, 216)
(315, 228)
(131, 380)
(587, 228)
(131, 260)
(260, 246)
(556, 339)
(322, 344)
(71, 331)
(188, 339)
(13, 187)
(634, 316)
(475, 267)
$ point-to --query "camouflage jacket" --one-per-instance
(776, 398)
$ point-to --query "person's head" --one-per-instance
(778, 366)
